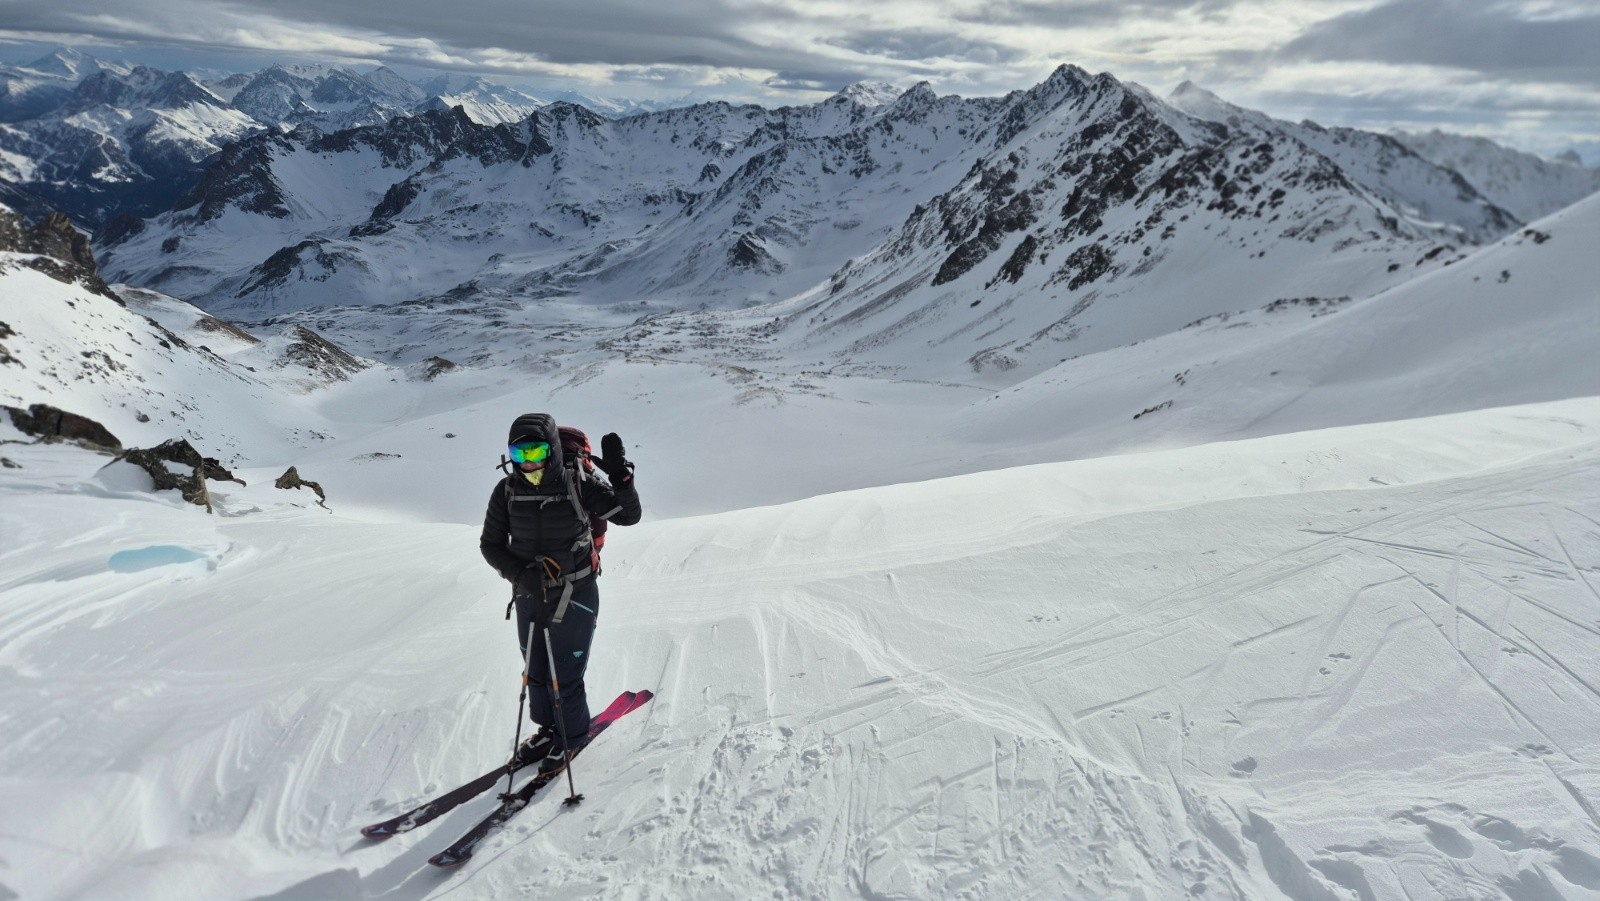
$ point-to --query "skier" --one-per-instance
(538, 535)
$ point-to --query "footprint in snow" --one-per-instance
(1244, 767)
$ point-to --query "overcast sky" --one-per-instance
(1523, 71)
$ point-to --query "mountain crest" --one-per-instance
(869, 93)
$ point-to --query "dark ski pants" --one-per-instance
(570, 643)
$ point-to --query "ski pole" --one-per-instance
(522, 699)
(561, 720)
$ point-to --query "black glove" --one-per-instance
(539, 610)
(527, 590)
(612, 462)
(529, 582)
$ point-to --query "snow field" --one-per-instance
(1349, 663)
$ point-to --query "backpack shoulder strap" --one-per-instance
(575, 478)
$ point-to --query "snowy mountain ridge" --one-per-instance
(1528, 186)
(1019, 209)
(65, 132)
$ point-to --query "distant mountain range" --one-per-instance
(1079, 214)
(1528, 186)
(99, 140)
(1006, 233)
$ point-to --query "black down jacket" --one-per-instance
(524, 522)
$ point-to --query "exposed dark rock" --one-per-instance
(998, 209)
(241, 177)
(433, 367)
(322, 356)
(1319, 306)
(750, 252)
(311, 260)
(11, 231)
(212, 324)
(26, 203)
(175, 465)
(394, 202)
(68, 257)
(119, 230)
(51, 424)
(291, 479)
(1155, 409)
(9, 463)
(55, 237)
(1083, 266)
(1018, 262)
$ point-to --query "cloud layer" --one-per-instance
(1518, 69)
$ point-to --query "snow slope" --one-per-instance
(1353, 663)
(1515, 322)
(1528, 186)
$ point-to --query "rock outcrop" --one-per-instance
(291, 479)
(48, 423)
(175, 465)
(316, 353)
(66, 252)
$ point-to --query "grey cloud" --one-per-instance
(925, 45)
(1468, 34)
(1082, 13)
(605, 32)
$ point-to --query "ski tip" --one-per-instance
(444, 860)
(378, 832)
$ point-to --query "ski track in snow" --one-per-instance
(1348, 691)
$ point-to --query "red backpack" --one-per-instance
(575, 449)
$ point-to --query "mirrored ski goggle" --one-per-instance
(530, 452)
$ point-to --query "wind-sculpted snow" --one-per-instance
(1348, 663)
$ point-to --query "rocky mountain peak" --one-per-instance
(565, 111)
(144, 88)
(65, 62)
(391, 82)
(868, 94)
(307, 349)
(68, 256)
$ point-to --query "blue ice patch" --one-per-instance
(133, 561)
